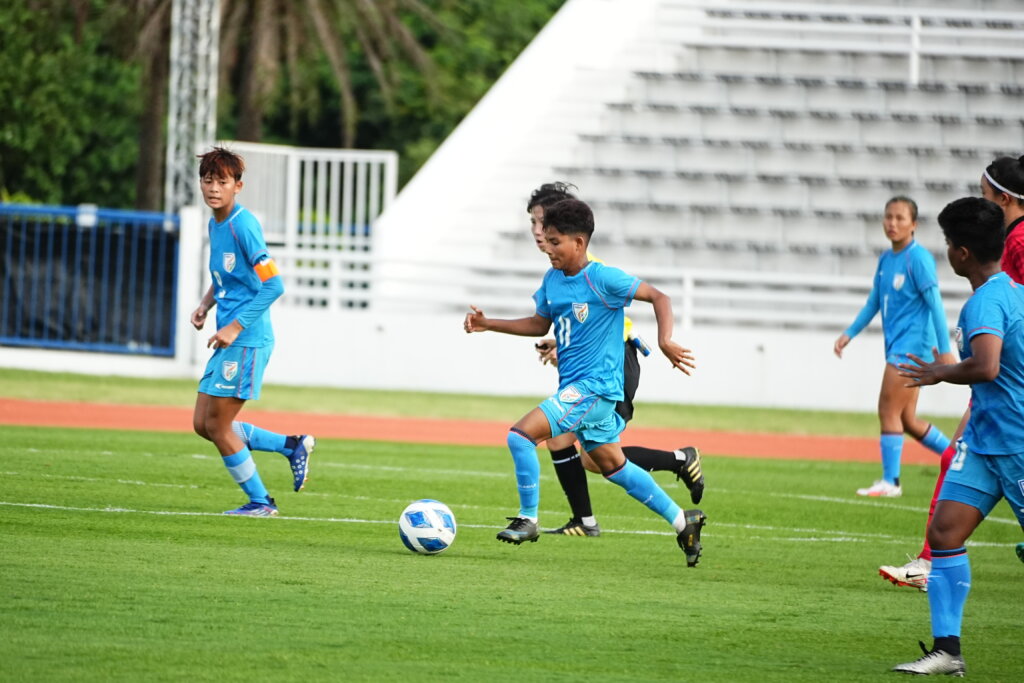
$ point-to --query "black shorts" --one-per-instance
(630, 381)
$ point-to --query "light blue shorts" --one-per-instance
(894, 359)
(591, 417)
(236, 371)
(981, 480)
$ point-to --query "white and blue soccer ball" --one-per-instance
(427, 526)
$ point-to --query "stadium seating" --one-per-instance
(772, 134)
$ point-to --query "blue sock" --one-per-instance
(934, 440)
(892, 450)
(641, 485)
(524, 456)
(260, 439)
(948, 585)
(243, 470)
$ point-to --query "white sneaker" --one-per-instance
(881, 489)
(937, 662)
(913, 573)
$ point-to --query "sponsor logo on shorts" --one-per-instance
(224, 386)
(898, 280)
(581, 311)
(229, 261)
(229, 369)
(569, 395)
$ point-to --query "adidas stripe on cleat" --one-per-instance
(690, 472)
(519, 531)
(575, 527)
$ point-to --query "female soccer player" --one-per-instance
(989, 461)
(585, 300)
(906, 291)
(1003, 183)
(571, 467)
(245, 282)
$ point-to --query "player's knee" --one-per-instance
(516, 437)
(942, 535)
(199, 426)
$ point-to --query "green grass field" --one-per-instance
(117, 566)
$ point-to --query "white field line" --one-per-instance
(870, 502)
(840, 537)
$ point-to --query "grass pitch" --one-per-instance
(117, 566)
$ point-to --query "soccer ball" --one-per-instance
(427, 526)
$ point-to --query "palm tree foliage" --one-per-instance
(381, 74)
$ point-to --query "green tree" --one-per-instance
(470, 43)
(83, 83)
(68, 105)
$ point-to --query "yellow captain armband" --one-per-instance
(266, 269)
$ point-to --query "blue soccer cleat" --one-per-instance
(254, 509)
(299, 460)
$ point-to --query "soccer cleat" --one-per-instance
(520, 530)
(690, 472)
(934, 662)
(575, 527)
(1020, 551)
(299, 460)
(913, 573)
(253, 509)
(689, 538)
(881, 489)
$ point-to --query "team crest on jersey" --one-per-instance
(581, 311)
(958, 337)
(1020, 483)
(229, 369)
(229, 261)
(569, 395)
(897, 281)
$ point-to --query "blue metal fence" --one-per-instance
(88, 279)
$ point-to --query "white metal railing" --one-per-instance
(318, 208)
(701, 298)
(913, 32)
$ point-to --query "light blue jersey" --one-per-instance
(237, 247)
(587, 312)
(996, 426)
(900, 281)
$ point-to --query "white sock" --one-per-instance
(589, 521)
(679, 523)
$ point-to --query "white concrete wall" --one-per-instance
(428, 352)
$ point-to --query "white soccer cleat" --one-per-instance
(935, 662)
(913, 574)
(881, 489)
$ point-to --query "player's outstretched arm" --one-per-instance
(680, 357)
(534, 326)
(198, 318)
(982, 366)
